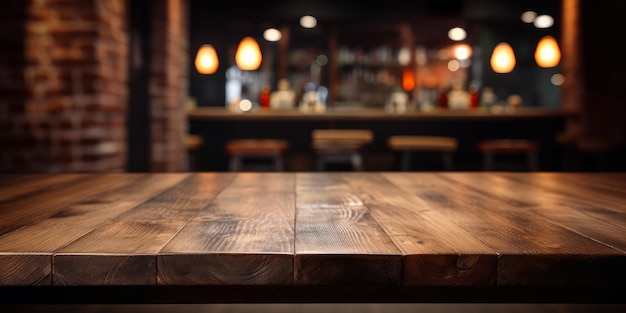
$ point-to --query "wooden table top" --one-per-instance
(267, 237)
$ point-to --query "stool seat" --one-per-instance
(508, 146)
(256, 146)
(340, 146)
(242, 149)
(424, 143)
(491, 147)
(405, 144)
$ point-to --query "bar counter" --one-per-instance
(361, 113)
(312, 237)
(217, 125)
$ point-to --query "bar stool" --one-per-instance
(407, 145)
(193, 143)
(242, 151)
(340, 146)
(490, 148)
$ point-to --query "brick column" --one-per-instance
(67, 82)
(169, 85)
(64, 85)
(572, 95)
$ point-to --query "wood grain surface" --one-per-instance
(296, 230)
(338, 241)
(244, 236)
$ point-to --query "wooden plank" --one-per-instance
(530, 248)
(17, 269)
(19, 212)
(123, 251)
(579, 214)
(38, 241)
(613, 182)
(436, 251)
(245, 237)
(577, 187)
(338, 242)
(27, 185)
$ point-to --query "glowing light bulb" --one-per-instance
(272, 34)
(457, 34)
(308, 21)
(502, 59)
(206, 60)
(248, 56)
(547, 53)
(543, 21)
(462, 52)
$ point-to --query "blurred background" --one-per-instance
(107, 85)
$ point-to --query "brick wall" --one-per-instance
(64, 85)
(70, 88)
(169, 85)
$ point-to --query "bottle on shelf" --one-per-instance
(264, 97)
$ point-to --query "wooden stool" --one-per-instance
(489, 148)
(242, 150)
(406, 145)
(340, 146)
(193, 144)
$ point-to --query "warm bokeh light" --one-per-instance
(308, 21)
(206, 60)
(457, 34)
(248, 56)
(543, 21)
(462, 51)
(529, 16)
(454, 65)
(547, 53)
(245, 105)
(557, 79)
(502, 59)
(404, 56)
(408, 79)
(272, 34)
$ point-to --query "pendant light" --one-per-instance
(248, 56)
(547, 53)
(206, 60)
(502, 58)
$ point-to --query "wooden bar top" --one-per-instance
(313, 237)
(358, 113)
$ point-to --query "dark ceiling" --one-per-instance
(345, 10)
(359, 20)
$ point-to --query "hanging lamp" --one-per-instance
(248, 56)
(502, 58)
(547, 53)
(206, 60)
